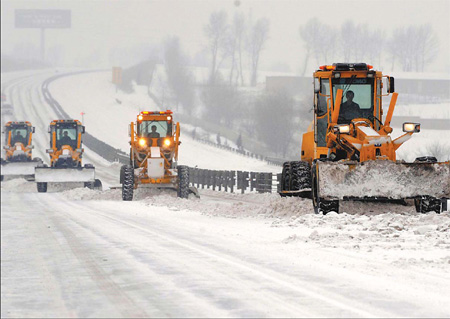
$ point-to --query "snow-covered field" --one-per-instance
(108, 119)
(84, 253)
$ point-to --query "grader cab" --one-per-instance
(66, 154)
(154, 141)
(348, 152)
(18, 161)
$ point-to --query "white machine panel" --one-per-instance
(155, 167)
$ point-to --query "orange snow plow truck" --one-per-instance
(154, 140)
(348, 153)
(18, 161)
(66, 155)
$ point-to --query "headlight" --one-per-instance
(342, 129)
(169, 118)
(142, 142)
(167, 142)
(50, 150)
(140, 117)
(411, 127)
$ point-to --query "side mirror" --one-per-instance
(83, 129)
(129, 130)
(391, 88)
(49, 129)
(32, 129)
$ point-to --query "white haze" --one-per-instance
(99, 26)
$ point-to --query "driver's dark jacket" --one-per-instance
(348, 112)
(18, 139)
(65, 140)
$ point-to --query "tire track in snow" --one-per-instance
(260, 274)
(125, 305)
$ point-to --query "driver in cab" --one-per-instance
(349, 109)
(153, 133)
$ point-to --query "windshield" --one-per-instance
(19, 134)
(154, 129)
(66, 134)
(357, 98)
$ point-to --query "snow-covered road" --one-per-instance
(106, 258)
(86, 253)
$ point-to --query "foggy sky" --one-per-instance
(98, 26)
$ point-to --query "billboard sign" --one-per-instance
(33, 18)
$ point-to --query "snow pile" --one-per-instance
(18, 185)
(385, 179)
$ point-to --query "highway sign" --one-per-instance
(33, 18)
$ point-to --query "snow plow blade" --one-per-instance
(383, 179)
(18, 169)
(64, 175)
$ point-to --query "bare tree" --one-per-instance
(179, 78)
(320, 41)
(257, 38)
(216, 31)
(414, 47)
(275, 128)
(221, 102)
(234, 48)
(240, 32)
(309, 33)
(427, 46)
(348, 31)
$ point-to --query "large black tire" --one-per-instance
(183, 181)
(285, 178)
(122, 169)
(98, 184)
(301, 178)
(426, 204)
(128, 183)
(296, 176)
(321, 205)
(42, 187)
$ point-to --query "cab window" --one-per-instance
(357, 98)
(154, 129)
(66, 134)
(19, 135)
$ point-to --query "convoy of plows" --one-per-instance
(346, 154)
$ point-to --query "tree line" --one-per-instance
(411, 47)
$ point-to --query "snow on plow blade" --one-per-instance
(19, 168)
(61, 175)
(383, 179)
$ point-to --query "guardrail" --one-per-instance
(234, 181)
(269, 160)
